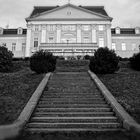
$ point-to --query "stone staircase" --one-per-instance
(72, 102)
(72, 65)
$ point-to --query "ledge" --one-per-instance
(13, 130)
(128, 122)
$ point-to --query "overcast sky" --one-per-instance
(125, 13)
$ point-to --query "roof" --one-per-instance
(13, 31)
(124, 31)
(40, 9)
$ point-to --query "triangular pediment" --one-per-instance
(69, 12)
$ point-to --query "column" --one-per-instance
(79, 34)
(109, 39)
(94, 35)
(43, 34)
(28, 41)
(58, 32)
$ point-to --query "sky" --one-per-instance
(125, 13)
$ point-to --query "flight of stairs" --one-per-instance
(72, 102)
(72, 65)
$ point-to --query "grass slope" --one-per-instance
(125, 86)
(15, 90)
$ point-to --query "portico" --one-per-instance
(68, 30)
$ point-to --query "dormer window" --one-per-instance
(20, 31)
(117, 30)
(137, 30)
(1, 31)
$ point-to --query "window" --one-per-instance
(101, 27)
(117, 30)
(51, 39)
(133, 46)
(86, 40)
(19, 31)
(36, 28)
(123, 46)
(23, 47)
(13, 47)
(137, 30)
(35, 42)
(86, 27)
(101, 42)
(51, 27)
(114, 46)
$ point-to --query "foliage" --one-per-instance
(87, 57)
(104, 61)
(5, 59)
(42, 62)
(135, 62)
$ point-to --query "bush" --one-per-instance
(42, 62)
(6, 64)
(104, 61)
(87, 57)
(135, 62)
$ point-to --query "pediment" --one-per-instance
(69, 12)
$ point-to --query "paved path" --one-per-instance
(72, 102)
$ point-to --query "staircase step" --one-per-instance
(91, 109)
(46, 130)
(71, 99)
(71, 102)
(74, 125)
(73, 114)
(74, 119)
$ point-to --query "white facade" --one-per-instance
(70, 30)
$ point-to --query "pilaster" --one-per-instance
(109, 40)
(43, 34)
(58, 32)
(28, 40)
(94, 35)
(79, 34)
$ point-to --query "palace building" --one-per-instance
(70, 30)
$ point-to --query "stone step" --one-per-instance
(75, 97)
(71, 94)
(77, 100)
(74, 125)
(73, 114)
(47, 130)
(72, 106)
(67, 90)
(46, 101)
(88, 109)
(74, 119)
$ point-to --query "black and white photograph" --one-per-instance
(69, 69)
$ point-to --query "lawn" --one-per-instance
(125, 86)
(15, 90)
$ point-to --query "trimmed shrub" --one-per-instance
(104, 61)
(87, 57)
(135, 62)
(6, 64)
(42, 62)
